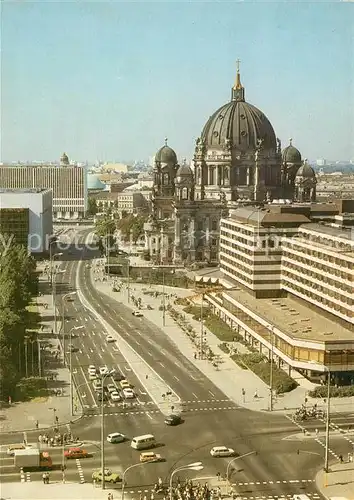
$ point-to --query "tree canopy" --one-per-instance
(132, 227)
(18, 284)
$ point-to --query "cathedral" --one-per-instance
(237, 160)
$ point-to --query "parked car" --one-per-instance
(124, 384)
(110, 338)
(128, 393)
(118, 376)
(138, 314)
(115, 396)
(103, 370)
(111, 388)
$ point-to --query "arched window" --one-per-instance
(165, 179)
(184, 193)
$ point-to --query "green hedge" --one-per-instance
(261, 367)
(335, 392)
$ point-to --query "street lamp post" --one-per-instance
(103, 378)
(71, 368)
(201, 329)
(26, 352)
(54, 295)
(271, 370)
(234, 460)
(193, 466)
(163, 298)
(327, 421)
(39, 358)
(128, 283)
(63, 321)
(51, 260)
(123, 477)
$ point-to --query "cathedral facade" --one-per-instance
(237, 160)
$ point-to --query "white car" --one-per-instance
(110, 338)
(138, 314)
(103, 370)
(91, 368)
(115, 396)
(128, 393)
(111, 388)
(116, 437)
(222, 451)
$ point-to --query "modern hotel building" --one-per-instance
(67, 182)
(289, 286)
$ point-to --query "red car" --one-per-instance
(75, 453)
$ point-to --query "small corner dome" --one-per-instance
(166, 155)
(306, 171)
(291, 154)
(184, 171)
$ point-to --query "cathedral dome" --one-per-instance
(166, 155)
(306, 171)
(240, 124)
(291, 154)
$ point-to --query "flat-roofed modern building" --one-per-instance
(250, 246)
(318, 267)
(290, 286)
(26, 218)
(68, 184)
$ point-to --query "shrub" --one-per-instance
(335, 392)
(224, 347)
(261, 367)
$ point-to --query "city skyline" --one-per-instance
(97, 98)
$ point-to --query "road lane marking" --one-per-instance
(137, 342)
(163, 366)
(148, 414)
(212, 394)
(142, 392)
(174, 376)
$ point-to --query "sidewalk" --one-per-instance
(229, 377)
(55, 491)
(339, 481)
(23, 416)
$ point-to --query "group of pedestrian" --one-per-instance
(110, 496)
(57, 439)
(186, 491)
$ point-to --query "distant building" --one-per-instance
(321, 162)
(26, 217)
(69, 185)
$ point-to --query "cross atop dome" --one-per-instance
(166, 140)
(238, 91)
(290, 142)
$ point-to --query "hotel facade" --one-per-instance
(67, 182)
(289, 288)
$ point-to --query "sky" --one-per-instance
(110, 80)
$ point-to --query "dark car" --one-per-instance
(173, 420)
(118, 376)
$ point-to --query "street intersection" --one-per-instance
(288, 453)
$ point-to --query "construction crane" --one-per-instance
(201, 294)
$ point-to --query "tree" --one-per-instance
(132, 227)
(92, 208)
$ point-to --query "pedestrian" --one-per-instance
(37, 424)
(341, 459)
(255, 395)
(316, 430)
(44, 478)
